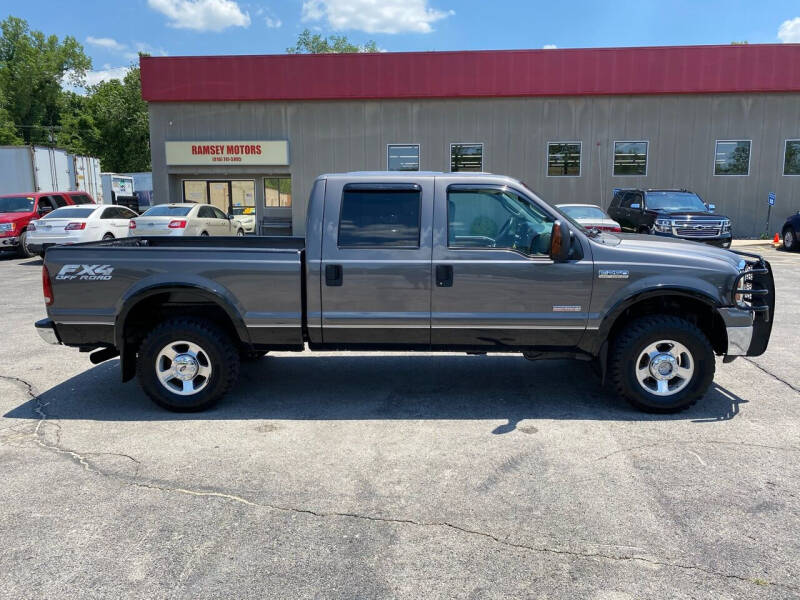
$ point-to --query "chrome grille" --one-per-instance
(697, 229)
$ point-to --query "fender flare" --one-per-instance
(159, 288)
(622, 305)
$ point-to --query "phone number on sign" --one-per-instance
(226, 159)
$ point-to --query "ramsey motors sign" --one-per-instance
(228, 153)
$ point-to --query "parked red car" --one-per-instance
(17, 210)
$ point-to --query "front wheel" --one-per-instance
(186, 365)
(661, 363)
(23, 249)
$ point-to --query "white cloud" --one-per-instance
(272, 23)
(108, 43)
(549, 47)
(375, 16)
(201, 15)
(789, 31)
(107, 73)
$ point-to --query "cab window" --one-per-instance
(497, 219)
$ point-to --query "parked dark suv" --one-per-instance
(672, 213)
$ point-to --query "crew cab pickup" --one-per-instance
(466, 262)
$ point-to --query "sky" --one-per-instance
(113, 31)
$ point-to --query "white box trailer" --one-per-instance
(34, 169)
(86, 176)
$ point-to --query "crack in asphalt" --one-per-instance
(134, 481)
(698, 443)
(760, 368)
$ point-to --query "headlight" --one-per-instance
(663, 225)
(745, 284)
(7, 226)
(726, 225)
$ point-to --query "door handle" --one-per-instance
(444, 275)
(333, 275)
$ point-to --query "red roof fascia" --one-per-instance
(474, 74)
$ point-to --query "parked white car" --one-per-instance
(81, 223)
(590, 216)
(184, 219)
(246, 215)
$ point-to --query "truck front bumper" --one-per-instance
(9, 242)
(46, 329)
(748, 322)
(739, 327)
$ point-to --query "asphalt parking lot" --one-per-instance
(396, 476)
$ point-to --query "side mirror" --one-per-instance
(712, 207)
(636, 206)
(230, 217)
(560, 241)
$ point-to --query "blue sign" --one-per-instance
(616, 190)
(772, 198)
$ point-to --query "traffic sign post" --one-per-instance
(770, 204)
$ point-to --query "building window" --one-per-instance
(195, 191)
(630, 158)
(278, 192)
(791, 158)
(402, 157)
(466, 157)
(732, 157)
(374, 216)
(564, 159)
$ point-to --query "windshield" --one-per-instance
(69, 213)
(16, 204)
(583, 212)
(167, 211)
(675, 202)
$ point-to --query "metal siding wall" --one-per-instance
(332, 136)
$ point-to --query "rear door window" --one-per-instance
(376, 215)
(59, 200)
(80, 199)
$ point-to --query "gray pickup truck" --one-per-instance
(452, 262)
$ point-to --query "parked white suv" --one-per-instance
(185, 219)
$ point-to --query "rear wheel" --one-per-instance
(661, 363)
(23, 249)
(108, 236)
(789, 239)
(205, 233)
(240, 233)
(187, 365)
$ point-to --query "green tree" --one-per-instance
(308, 43)
(112, 124)
(33, 68)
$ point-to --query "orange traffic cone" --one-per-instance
(776, 241)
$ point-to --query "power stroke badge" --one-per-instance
(85, 273)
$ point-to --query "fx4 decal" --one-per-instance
(85, 272)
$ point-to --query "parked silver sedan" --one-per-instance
(590, 216)
(185, 219)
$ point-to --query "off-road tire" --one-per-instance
(627, 346)
(23, 249)
(221, 351)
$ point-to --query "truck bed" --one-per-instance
(245, 242)
(257, 280)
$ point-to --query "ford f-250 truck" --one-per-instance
(413, 261)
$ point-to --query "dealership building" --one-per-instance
(250, 134)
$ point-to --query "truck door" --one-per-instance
(494, 282)
(376, 261)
